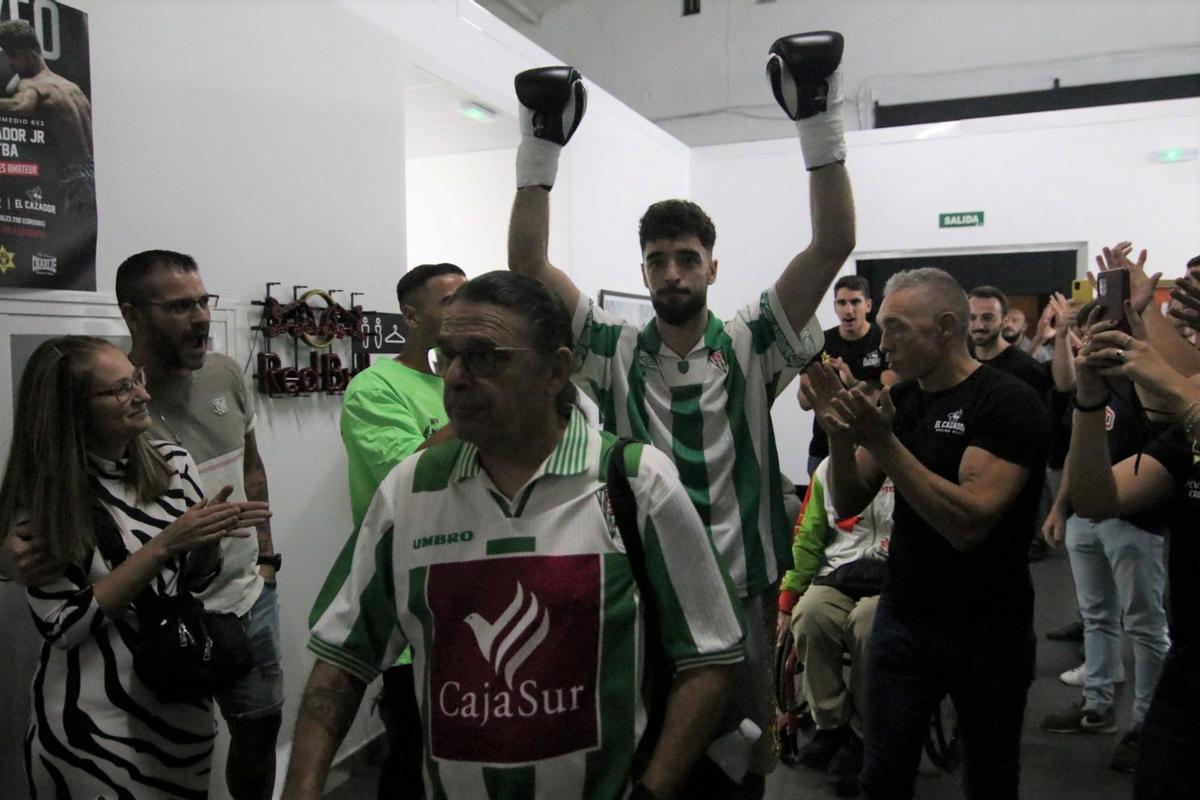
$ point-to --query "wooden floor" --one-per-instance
(1054, 766)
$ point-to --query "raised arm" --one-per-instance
(806, 81)
(552, 100)
(1062, 365)
(528, 243)
(806, 279)
(1096, 490)
(1159, 332)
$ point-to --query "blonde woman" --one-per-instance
(80, 467)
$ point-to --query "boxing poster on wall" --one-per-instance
(47, 180)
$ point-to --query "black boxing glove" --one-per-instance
(805, 78)
(553, 100)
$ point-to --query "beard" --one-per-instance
(1012, 336)
(985, 339)
(678, 308)
(175, 352)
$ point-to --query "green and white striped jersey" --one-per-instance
(711, 411)
(523, 615)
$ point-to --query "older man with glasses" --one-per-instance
(498, 558)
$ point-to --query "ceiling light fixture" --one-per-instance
(475, 111)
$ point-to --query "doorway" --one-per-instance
(1028, 277)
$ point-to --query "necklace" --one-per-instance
(167, 425)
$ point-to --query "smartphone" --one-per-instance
(1081, 292)
(1113, 290)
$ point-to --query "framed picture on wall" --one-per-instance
(636, 309)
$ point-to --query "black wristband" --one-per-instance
(1088, 409)
(275, 561)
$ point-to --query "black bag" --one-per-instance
(857, 579)
(707, 781)
(183, 653)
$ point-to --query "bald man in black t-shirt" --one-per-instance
(965, 447)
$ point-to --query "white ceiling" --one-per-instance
(433, 126)
(701, 77)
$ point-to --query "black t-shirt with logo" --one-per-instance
(1174, 450)
(866, 363)
(987, 589)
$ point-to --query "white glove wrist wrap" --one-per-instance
(537, 162)
(822, 137)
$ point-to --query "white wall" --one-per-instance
(458, 211)
(1061, 177)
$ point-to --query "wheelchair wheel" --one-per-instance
(941, 737)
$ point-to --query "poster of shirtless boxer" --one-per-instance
(47, 178)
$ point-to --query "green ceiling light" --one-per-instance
(1173, 155)
(476, 111)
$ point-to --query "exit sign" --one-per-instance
(961, 219)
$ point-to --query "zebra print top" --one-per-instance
(95, 730)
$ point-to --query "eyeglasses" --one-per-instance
(184, 305)
(123, 390)
(479, 362)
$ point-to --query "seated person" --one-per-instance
(828, 600)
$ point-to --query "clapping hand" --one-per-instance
(209, 521)
(1141, 286)
(849, 412)
(1187, 294)
(822, 386)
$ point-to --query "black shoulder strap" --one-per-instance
(113, 550)
(658, 665)
(624, 506)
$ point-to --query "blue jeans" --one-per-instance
(912, 665)
(1119, 577)
(1167, 756)
(260, 692)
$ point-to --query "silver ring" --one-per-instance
(1121, 356)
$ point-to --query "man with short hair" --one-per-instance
(965, 447)
(391, 410)
(498, 559)
(394, 407)
(989, 309)
(1014, 329)
(855, 342)
(699, 388)
(200, 400)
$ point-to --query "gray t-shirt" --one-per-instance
(210, 412)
